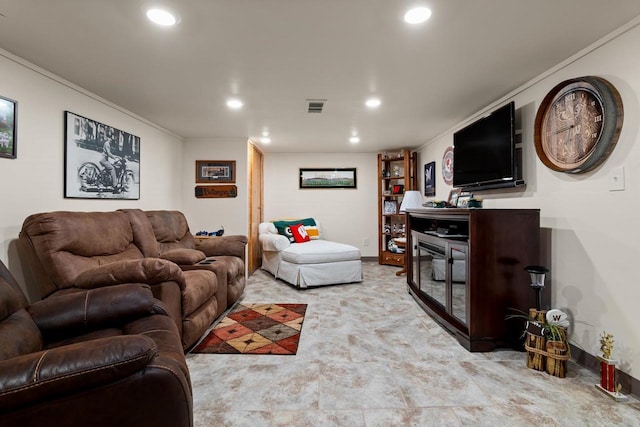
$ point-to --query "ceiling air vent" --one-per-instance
(315, 105)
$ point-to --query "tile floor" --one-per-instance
(369, 356)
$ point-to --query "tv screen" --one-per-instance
(484, 151)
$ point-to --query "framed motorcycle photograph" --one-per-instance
(100, 161)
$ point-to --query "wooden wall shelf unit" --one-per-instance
(396, 174)
(466, 270)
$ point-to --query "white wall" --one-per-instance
(210, 214)
(347, 216)
(593, 233)
(34, 181)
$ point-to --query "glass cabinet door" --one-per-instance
(458, 267)
(431, 257)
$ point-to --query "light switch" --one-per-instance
(616, 179)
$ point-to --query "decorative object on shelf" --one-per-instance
(398, 189)
(463, 200)
(537, 273)
(430, 179)
(8, 128)
(453, 197)
(608, 370)
(578, 124)
(100, 161)
(412, 200)
(390, 207)
(474, 202)
(215, 171)
(328, 178)
(396, 170)
(215, 191)
(447, 166)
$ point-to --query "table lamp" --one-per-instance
(412, 199)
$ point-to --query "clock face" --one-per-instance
(578, 124)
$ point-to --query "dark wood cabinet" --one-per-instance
(466, 270)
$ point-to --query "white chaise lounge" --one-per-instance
(316, 262)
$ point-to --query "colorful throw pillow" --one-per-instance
(283, 227)
(299, 233)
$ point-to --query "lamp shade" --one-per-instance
(412, 199)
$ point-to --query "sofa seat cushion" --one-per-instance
(319, 252)
(201, 286)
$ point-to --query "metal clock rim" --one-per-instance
(613, 116)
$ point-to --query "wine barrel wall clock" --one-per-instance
(578, 124)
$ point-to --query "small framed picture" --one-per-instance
(390, 207)
(215, 171)
(430, 179)
(453, 197)
(8, 127)
(463, 200)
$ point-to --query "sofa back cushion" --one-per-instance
(62, 245)
(171, 230)
(143, 234)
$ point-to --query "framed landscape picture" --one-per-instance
(100, 161)
(215, 171)
(328, 178)
(8, 126)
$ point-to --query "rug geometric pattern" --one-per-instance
(256, 329)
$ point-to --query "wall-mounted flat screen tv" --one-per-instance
(484, 151)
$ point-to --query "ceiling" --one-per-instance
(275, 54)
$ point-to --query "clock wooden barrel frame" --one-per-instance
(578, 124)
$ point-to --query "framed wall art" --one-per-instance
(430, 179)
(328, 178)
(8, 128)
(215, 171)
(100, 161)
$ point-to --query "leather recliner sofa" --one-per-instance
(165, 234)
(105, 357)
(70, 252)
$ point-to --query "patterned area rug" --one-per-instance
(256, 329)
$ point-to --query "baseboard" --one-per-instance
(630, 385)
(369, 258)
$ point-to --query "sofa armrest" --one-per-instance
(273, 242)
(223, 245)
(49, 374)
(147, 270)
(81, 312)
(183, 256)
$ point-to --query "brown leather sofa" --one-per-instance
(104, 357)
(69, 252)
(165, 234)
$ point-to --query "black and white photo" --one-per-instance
(101, 162)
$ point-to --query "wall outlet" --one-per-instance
(365, 242)
(616, 179)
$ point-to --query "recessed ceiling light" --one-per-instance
(417, 15)
(373, 102)
(354, 140)
(265, 140)
(234, 103)
(265, 133)
(161, 17)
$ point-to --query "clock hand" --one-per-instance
(564, 129)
